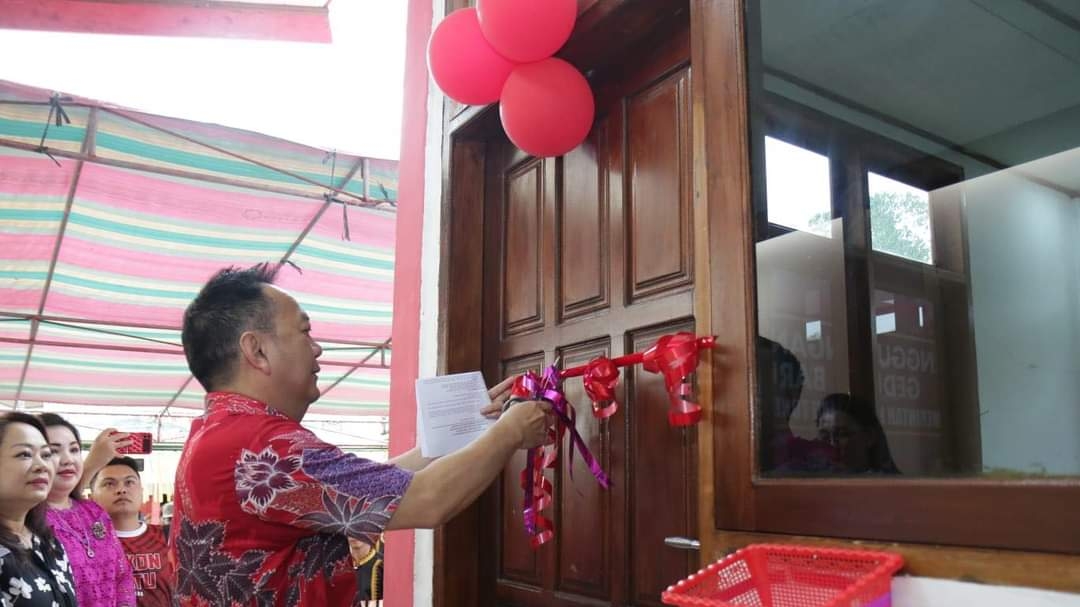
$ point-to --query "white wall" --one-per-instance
(424, 548)
(1023, 248)
(927, 592)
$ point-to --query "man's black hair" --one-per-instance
(231, 302)
(118, 461)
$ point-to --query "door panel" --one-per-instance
(658, 197)
(523, 286)
(584, 244)
(518, 562)
(584, 559)
(661, 479)
(590, 254)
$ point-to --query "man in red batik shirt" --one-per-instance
(263, 508)
(117, 488)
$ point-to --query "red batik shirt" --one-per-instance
(263, 508)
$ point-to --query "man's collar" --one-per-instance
(232, 402)
(141, 529)
(237, 404)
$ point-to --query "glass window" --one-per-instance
(936, 333)
(798, 187)
(899, 218)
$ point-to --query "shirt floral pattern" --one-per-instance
(264, 508)
(36, 579)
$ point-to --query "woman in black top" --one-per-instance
(34, 570)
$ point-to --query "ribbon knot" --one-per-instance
(601, 378)
(676, 357)
(537, 487)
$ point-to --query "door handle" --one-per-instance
(682, 543)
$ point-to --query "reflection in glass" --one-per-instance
(899, 218)
(798, 187)
(917, 259)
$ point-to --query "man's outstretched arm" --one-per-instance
(412, 459)
(449, 484)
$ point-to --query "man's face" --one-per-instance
(118, 490)
(292, 353)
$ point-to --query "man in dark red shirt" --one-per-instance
(262, 506)
(117, 488)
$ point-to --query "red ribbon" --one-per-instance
(601, 377)
(676, 357)
(536, 486)
(673, 356)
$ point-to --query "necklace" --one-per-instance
(26, 538)
(83, 536)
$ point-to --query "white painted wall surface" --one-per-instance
(424, 548)
(928, 592)
(1024, 292)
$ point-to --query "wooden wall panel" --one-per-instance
(584, 559)
(522, 249)
(658, 196)
(583, 215)
(463, 539)
(667, 459)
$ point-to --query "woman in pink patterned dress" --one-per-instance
(99, 565)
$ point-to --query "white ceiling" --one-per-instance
(999, 77)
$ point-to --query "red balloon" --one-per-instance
(462, 62)
(527, 30)
(546, 107)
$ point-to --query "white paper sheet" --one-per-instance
(448, 412)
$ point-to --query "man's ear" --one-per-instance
(252, 349)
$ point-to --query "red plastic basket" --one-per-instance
(775, 575)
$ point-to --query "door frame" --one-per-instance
(464, 575)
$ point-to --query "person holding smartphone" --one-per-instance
(101, 572)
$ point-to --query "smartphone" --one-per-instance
(141, 442)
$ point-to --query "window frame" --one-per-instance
(1027, 514)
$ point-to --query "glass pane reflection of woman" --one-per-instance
(103, 577)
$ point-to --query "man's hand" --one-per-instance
(530, 424)
(530, 421)
(449, 484)
(498, 394)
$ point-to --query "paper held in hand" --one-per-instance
(448, 412)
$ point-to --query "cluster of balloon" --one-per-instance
(502, 51)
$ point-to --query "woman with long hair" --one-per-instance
(102, 574)
(851, 427)
(34, 569)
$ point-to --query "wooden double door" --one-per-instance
(585, 255)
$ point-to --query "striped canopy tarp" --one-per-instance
(111, 221)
